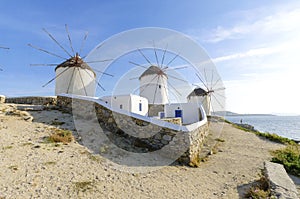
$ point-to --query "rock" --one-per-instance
(30, 107)
(28, 118)
(167, 137)
(2, 99)
(280, 183)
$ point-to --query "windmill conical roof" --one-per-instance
(75, 62)
(197, 92)
(153, 70)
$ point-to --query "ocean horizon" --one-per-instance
(285, 126)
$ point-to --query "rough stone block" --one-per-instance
(2, 99)
(280, 183)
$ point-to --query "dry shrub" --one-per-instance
(260, 190)
(59, 135)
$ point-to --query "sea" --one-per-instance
(285, 126)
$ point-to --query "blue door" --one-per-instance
(178, 113)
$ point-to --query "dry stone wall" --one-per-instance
(140, 136)
(32, 100)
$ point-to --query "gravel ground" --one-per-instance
(31, 168)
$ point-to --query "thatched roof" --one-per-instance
(197, 92)
(75, 62)
(153, 70)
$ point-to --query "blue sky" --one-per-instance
(254, 44)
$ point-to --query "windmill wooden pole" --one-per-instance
(5, 48)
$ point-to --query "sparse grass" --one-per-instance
(94, 157)
(27, 144)
(270, 136)
(91, 156)
(83, 186)
(220, 140)
(289, 157)
(59, 135)
(195, 162)
(13, 167)
(7, 147)
(49, 163)
(57, 123)
(260, 190)
(275, 138)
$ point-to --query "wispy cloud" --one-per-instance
(282, 21)
(249, 53)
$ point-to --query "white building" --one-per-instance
(189, 112)
(131, 103)
(200, 96)
(154, 85)
(74, 76)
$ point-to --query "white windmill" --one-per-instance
(154, 85)
(212, 95)
(73, 76)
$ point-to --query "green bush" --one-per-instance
(289, 157)
(275, 138)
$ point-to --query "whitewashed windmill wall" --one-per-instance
(75, 77)
(198, 95)
(154, 85)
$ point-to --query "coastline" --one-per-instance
(285, 126)
(29, 167)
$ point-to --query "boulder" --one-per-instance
(2, 99)
(280, 183)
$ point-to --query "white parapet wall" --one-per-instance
(134, 131)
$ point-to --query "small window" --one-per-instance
(140, 106)
(159, 86)
(121, 106)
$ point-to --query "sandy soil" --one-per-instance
(30, 168)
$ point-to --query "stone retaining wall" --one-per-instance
(32, 100)
(139, 135)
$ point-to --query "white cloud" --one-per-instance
(249, 53)
(264, 93)
(283, 21)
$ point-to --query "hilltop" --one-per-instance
(31, 167)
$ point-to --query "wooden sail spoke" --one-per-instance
(144, 56)
(55, 77)
(50, 53)
(57, 42)
(69, 37)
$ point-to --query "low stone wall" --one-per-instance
(140, 136)
(280, 183)
(177, 120)
(32, 100)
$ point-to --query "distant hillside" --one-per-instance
(229, 113)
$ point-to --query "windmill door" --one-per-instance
(178, 113)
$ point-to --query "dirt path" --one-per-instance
(30, 168)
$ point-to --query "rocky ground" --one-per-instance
(33, 168)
